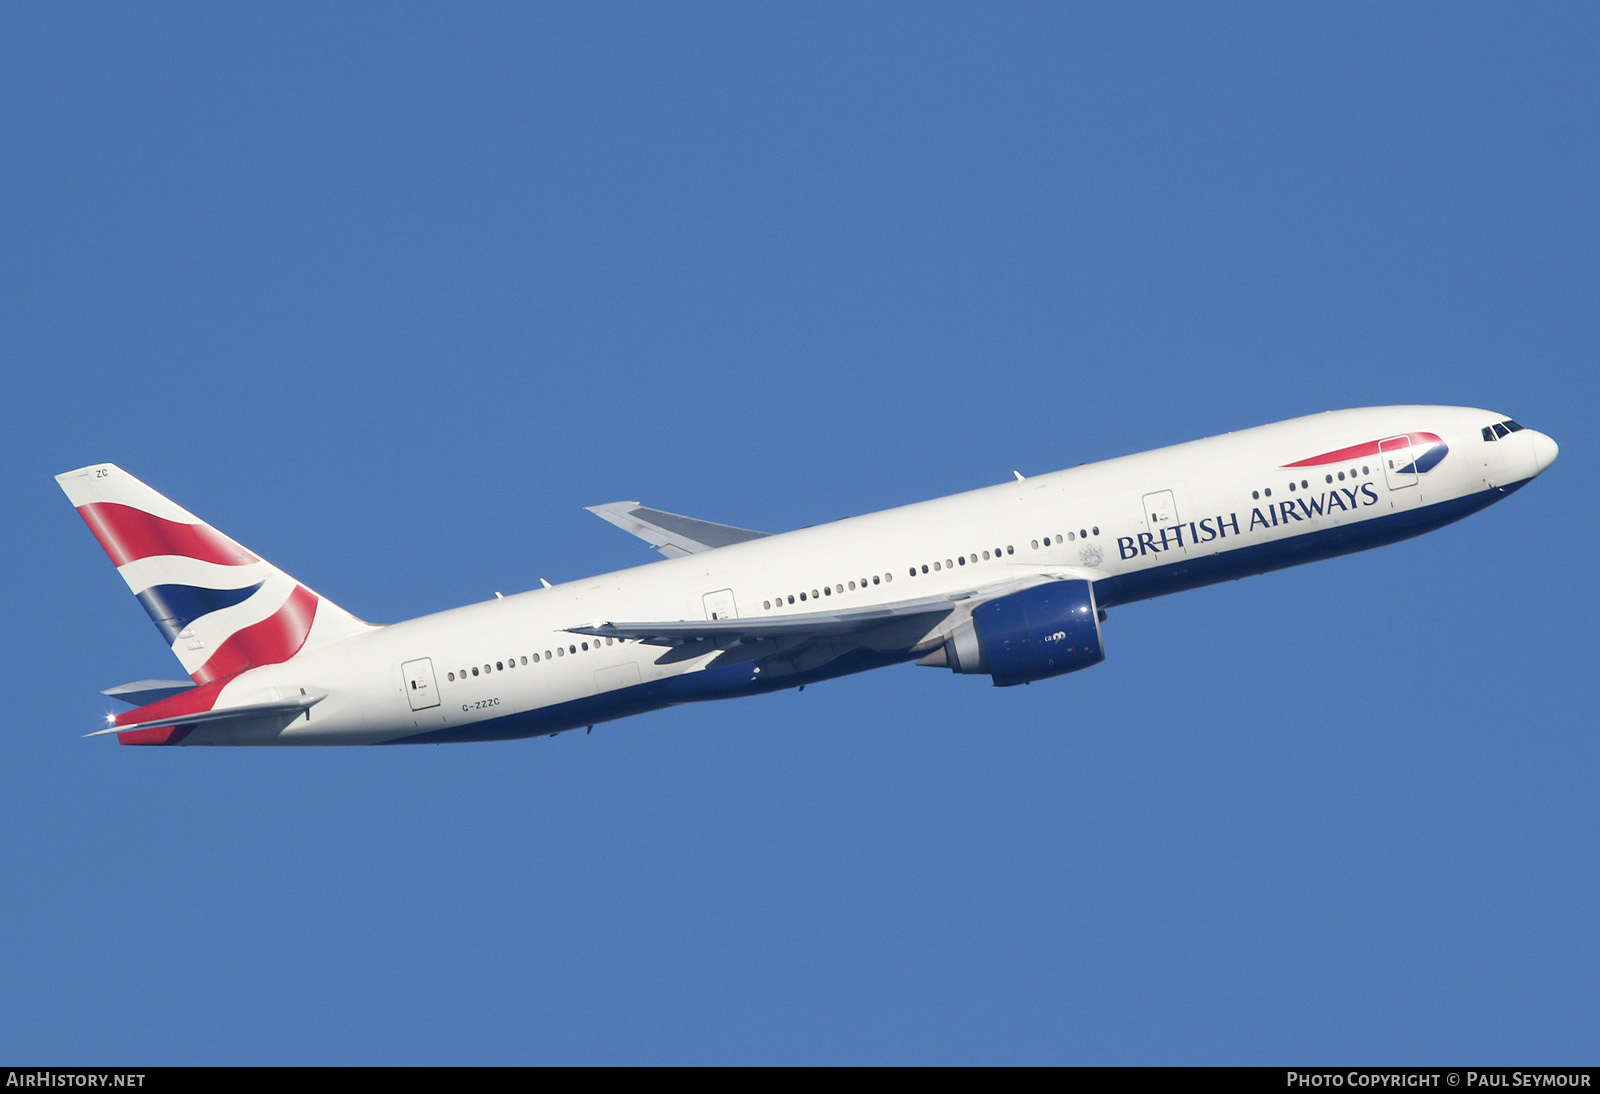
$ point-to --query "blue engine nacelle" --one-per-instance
(1032, 635)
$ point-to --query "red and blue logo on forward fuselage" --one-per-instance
(1424, 451)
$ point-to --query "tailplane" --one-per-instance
(220, 607)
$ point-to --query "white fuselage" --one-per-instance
(1136, 527)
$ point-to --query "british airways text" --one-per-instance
(1270, 516)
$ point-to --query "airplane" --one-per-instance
(1011, 582)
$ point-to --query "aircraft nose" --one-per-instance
(1545, 450)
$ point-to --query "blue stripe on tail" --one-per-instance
(174, 607)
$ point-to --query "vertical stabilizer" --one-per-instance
(222, 608)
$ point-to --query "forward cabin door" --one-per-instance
(1399, 469)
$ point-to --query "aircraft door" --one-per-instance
(1160, 510)
(1399, 469)
(420, 687)
(720, 605)
(625, 675)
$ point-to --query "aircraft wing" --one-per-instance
(672, 534)
(806, 626)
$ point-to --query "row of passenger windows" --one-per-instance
(1501, 429)
(1305, 485)
(513, 662)
(936, 565)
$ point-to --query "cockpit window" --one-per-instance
(1501, 429)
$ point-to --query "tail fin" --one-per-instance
(222, 608)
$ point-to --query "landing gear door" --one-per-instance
(420, 687)
(1399, 468)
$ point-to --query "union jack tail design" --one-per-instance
(222, 608)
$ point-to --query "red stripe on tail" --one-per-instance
(129, 534)
(269, 642)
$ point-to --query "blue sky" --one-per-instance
(389, 293)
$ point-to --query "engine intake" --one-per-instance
(1038, 633)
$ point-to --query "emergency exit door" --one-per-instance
(719, 605)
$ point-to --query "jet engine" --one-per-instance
(1040, 632)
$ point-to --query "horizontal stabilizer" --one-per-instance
(302, 702)
(140, 692)
(670, 533)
